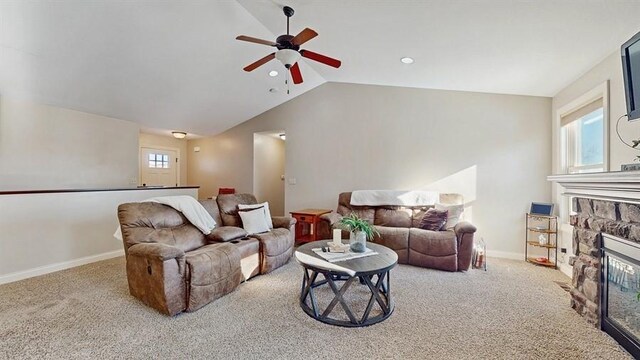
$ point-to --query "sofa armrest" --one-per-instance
(284, 222)
(158, 251)
(464, 234)
(464, 227)
(226, 233)
(332, 218)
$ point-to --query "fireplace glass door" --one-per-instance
(620, 293)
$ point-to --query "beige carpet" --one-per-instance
(513, 311)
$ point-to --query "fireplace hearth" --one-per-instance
(620, 304)
(606, 252)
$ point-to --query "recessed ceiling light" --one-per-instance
(407, 60)
(273, 73)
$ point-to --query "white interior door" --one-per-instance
(158, 167)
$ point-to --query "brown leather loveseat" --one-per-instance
(398, 227)
(173, 267)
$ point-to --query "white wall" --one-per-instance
(169, 142)
(42, 233)
(44, 147)
(610, 69)
(268, 167)
(494, 149)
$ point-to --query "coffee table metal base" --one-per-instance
(380, 294)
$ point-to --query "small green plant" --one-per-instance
(354, 223)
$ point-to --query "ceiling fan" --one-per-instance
(289, 51)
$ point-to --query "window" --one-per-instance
(583, 139)
(158, 161)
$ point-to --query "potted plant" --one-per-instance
(360, 230)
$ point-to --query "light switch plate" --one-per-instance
(196, 149)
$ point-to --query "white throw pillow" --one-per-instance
(253, 221)
(267, 213)
(454, 216)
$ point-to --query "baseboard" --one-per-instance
(566, 269)
(42, 270)
(505, 255)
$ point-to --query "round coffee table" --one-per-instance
(366, 269)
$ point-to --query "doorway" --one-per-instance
(158, 167)
(268, 169)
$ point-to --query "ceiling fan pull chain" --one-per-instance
(286, 81)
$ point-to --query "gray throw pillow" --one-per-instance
(434, 219)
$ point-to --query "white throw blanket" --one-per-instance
(322, 264)
(394, 198)
(189, 207)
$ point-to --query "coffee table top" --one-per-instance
(373, 264)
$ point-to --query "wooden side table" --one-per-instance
(307, 222)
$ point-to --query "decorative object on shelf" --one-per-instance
(361, 231)
(542, 239)
(540, 208)
(479, 255)
(546, 228)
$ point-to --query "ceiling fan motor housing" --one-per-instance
(287, 57)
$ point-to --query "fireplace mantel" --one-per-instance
(621, 186)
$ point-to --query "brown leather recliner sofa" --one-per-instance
(173, 267)
(398, 227)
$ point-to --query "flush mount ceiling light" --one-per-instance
(273, 73)
(179, 134)
(407, 60)
(283, 136)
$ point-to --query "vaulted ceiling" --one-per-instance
(176, 64)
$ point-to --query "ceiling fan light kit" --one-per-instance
(289, 51)
(288, 57)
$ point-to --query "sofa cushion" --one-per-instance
(265, 208)
(436, 243)
(454, 215)
(213, 271)
(434, 220)
(226, 233)
(146, 222)
(433, 249)
(228, 205)
(397, 239)
(276, 248)
(212, 208)
(417, 213)
(392, 216)
(253, 221)
(344, 208)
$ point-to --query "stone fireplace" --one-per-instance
(606, 252)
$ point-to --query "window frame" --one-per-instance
(561, 156)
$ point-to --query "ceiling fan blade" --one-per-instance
(321, 58)
(304, 36)
(255, 40)
(296, 76)
(260, 62)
